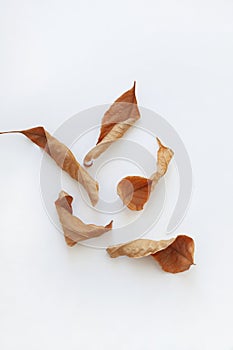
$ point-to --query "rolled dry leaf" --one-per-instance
(135, 191)
(122, 114)
(74, 229)
(63, 157)
(164, 156)
(138, 248)
(174, 255)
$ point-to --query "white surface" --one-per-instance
(57, 58)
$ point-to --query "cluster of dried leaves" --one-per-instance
(174, 255)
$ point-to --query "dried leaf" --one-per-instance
(74, 229)
(135, 190)
(138, 248)
(164, 156)
(116, 121)
(174, 255)
(63, 157)
(178, 256)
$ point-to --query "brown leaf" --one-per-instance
(178, 256)
(116, 121)
(74, 229)
(135, 191)
(63, 157)
(174, 255)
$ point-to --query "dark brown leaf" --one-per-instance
(178, 256)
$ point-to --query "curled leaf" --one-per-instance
(74, 229)
(164, 156)
(122, 114)
(174, 255)
(63, 157)
(178, 256)
(138, 248)
(135, 191)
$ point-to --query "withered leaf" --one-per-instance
(135, 191)
(178, 256)
(122, 114)
(174, 255)
(164, 156)
(63, 157)
(138, 248)
(74, 229)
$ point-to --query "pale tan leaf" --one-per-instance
(74, 229)
(138, 248)
(63, 157)
(135, 191)
(122, 114)
(164, 156)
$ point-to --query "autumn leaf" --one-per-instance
(178, 256)
(74, 229)
(135, 191)
(138, 248)
(164, 156)
(122, 114)
(63, 157)
(174, 255)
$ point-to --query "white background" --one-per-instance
(60, 57)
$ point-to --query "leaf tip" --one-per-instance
(63, 194)
(108, 250)
(161, 145)
(109, 226)
(70, 242)
(87, 163)
(159, 142)
(112, 252)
